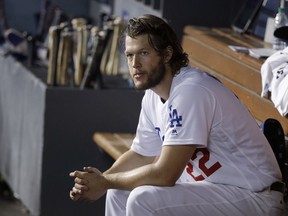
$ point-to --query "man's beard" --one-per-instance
(154, 78)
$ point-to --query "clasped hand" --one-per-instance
(88, 184)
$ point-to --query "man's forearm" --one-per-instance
(164, 171)
(149, 174)
(128, 161)
(131, 170)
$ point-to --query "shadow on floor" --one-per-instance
(9, 205)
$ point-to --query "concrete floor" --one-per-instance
(9, 205)
(12, 207)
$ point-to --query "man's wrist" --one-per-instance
(106, 182)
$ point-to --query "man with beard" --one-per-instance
(197, 150)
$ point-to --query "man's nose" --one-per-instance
(136, 62)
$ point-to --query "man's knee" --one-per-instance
(116, 202)
(116, 197)
(113, 193)
(140, 199)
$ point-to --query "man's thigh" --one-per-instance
(196, 199)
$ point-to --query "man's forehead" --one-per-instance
(137, 38)
(138, 42)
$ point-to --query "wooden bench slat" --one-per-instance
(208, 49)
(115, 144)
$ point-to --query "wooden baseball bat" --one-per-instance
(88, 78)
(59, 57)
(65, 49)
(42, 19)
(114, 52)
(93, 75)
(79, 42)
(108, 26)
(53, 44)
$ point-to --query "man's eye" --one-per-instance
(128, 55)
(144, 53)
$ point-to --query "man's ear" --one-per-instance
(168, 54)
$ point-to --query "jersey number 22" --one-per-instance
(204, 155)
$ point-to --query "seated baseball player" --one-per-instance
(197, 151)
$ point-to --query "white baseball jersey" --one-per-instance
(201, 111)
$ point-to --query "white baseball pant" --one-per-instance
(194, 199)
